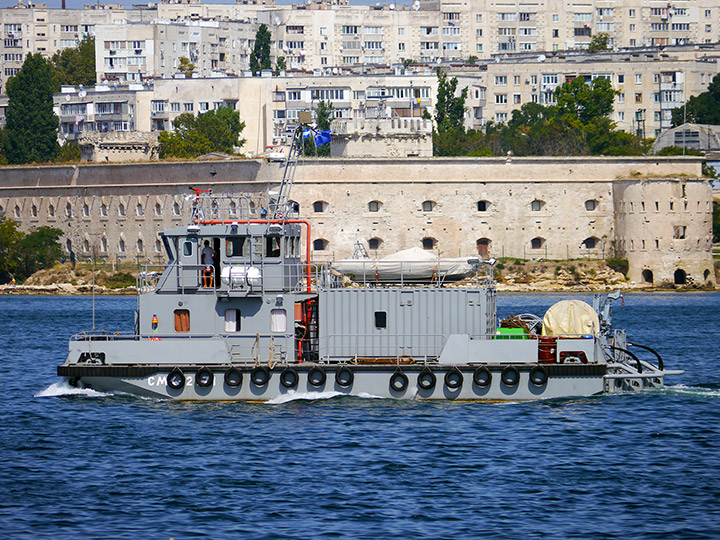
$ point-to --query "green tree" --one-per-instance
(31, 126)
(69, 152)
(585, 102)
(23, 254)
(186, 66)
(38, 250)
(716, 221)
(76, 66)
(449, 127)
(599, 42)
(260, 56)
(213, 131)
(9, 238)
(701, 109)
(323, 120)
(280, 65)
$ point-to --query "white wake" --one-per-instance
(63, 388)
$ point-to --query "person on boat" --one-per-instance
(207, 259)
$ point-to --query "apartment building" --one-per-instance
(651, 83)
(134, 52)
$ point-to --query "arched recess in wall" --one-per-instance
(591, 205)
(706, 274)
(680, 277)
(537, 243)
(429, 243)
(647, 276)
(294, 206)
(591, 242)
(483, 206)
(374, 206)
(320, 244)
(483, 247)
(375, 243)
(428, 206)
(320, 206)
(537, 205)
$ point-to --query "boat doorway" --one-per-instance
(306, 330)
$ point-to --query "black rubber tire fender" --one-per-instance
(426, 379)
(453, 378)
(260, 375)
(173, 381)
(204, 378)
(289, 377)
(539, 376)
(317, 376)
(398, 381)
(482, 377)
(510, 376)
(233, 377)
(344, 376)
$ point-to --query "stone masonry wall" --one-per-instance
(540, 208)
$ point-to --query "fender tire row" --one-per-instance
(344, 377)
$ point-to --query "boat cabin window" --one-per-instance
(232, 320)
(272, 246)
(381, 319)
(182, 320)
(237, 246)
(187, 248)
(278, 320)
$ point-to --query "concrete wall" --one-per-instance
(549, 208)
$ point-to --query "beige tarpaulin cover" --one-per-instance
(569, 317)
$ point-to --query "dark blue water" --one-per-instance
(632, 467)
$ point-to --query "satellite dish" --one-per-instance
(82, 93)
(277, 21)
(542, 58)
(416, 5)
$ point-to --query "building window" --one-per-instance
(176, 209)
(537, 205)
(374, 206)
(428, 206)
(158, 210)
(679, 232)
(51, 210)
(320, 244)
(537, 243)
(140, 245)
(319, 206)
(483, 206)
(374, 243)
(591, 205)
(182, 320)
(121, 209)
(68, 210)
(591, 242)
(139, 209)
(121, 246)
(429, 243)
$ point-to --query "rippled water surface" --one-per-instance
(85, 465)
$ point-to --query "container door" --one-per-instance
(189, 263)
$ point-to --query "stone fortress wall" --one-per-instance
(656, 212)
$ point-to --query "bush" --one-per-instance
(120, 280)
(618, 264)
